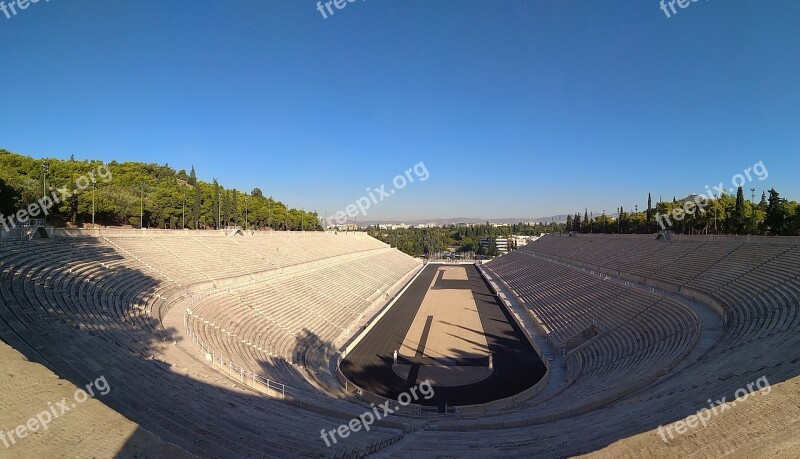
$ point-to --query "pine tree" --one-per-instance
(492, 251)
(192, 177)
(775, 220)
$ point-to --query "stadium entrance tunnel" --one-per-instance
(447, 329)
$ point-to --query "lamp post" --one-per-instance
(94, 188)
(245, 213)
(45, 169)
(183, 214)
(141, 210)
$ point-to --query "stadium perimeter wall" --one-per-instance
(149, 232)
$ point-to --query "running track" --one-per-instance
(516, 364)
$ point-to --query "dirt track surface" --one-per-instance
(516, 364)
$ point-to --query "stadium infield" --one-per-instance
(444, 326)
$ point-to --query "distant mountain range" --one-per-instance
(469, 221)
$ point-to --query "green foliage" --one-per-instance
(725, 215)
(739, 212)
(9, 197)
(424, 241)
(157, 189)
(776, 219)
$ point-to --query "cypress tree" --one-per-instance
(739, 213)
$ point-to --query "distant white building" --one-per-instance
(501, 243)
(344, 227)
(519, 241)
(392, 226)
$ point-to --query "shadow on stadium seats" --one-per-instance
(84, 311)
(142, 443)
(8, 198)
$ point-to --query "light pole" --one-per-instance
(141, 210)
(183, 215)
(245, 214)
(45, 169)
(269, 214)
(94, 188)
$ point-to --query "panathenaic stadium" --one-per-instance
(285, 344)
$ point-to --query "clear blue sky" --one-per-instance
(517, 108)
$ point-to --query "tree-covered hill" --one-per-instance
(168, 197)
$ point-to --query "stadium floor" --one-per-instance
(516, 364)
